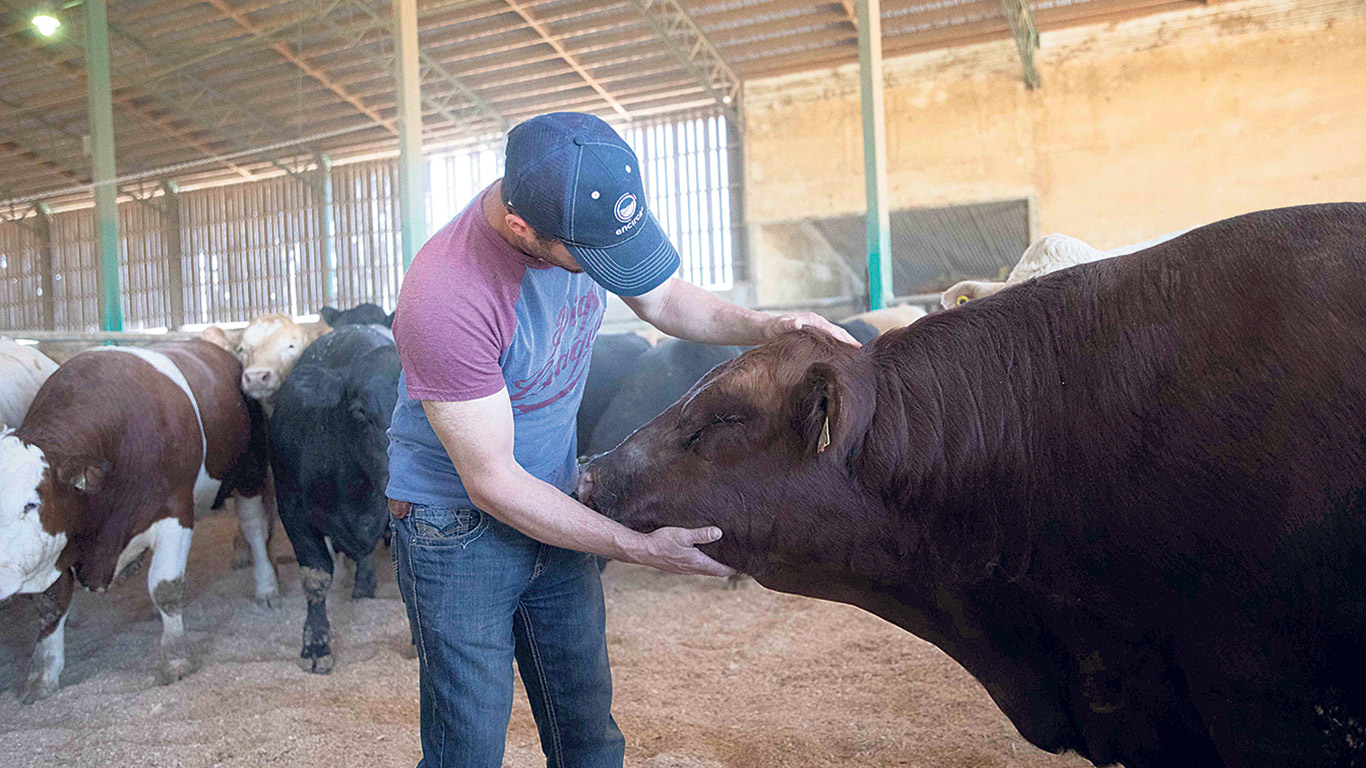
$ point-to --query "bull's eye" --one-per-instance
(962, 300)
(718, 421)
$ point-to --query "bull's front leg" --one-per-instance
(49, 654)
(166, 584)
(256, 523)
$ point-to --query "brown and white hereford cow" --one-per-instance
(120, 447)
(1129, 497)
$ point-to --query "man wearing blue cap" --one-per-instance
(495, 326)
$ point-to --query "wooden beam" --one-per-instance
(568, 57)
(257, 31)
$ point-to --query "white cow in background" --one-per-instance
(23, 370)
(1048, 254)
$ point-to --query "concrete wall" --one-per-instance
(1141, 127)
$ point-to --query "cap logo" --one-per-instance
(625, 208)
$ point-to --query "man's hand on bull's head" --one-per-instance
(675, 550)
(781, 324)
(765, 447)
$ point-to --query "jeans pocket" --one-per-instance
(437, 526)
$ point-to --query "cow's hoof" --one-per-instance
(35, 689)
(319, 665)
(271, 600)
(173, 670)
(360, 593)
(736, 581)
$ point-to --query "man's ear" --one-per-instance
(83, 474)
(519, 226)
(818, 401)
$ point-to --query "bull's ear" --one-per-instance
(817, 415)
(221, 338)
(328, 315)
(315, 331)
(83, 474)
(389, 318)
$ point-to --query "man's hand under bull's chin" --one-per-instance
(781, 324)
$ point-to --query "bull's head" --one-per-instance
(766, 447)
(267, 348)
(968, 290)
(34, 496)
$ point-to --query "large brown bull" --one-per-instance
(1129, 497)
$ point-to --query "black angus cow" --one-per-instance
(862, 331)
(658, 378)
(615, 355)
(331, 466)
(1129, 497)
(364, 313)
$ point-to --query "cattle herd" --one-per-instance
(1127, 494)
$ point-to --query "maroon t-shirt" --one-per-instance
(476, 315)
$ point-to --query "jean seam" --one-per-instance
(473, 535)
(545, 687)
(422, 646)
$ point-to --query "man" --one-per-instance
(495, 325)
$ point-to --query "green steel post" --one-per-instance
(326, 230)
(411, 186)
(170, 236)
(43, 231)
(874, 153)
(102, 161)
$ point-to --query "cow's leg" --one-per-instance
(315, 576)
(166, 583)
(365, 577)
(251, 511)
(49, 655)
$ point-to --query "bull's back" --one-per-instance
(22, 372)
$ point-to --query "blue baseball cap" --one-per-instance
(571, 177)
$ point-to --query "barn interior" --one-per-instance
(170, 165)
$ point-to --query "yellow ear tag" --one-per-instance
(962, 300)
(824, 442)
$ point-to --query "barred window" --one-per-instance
(688, 186)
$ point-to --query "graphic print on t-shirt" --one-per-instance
(572, 344)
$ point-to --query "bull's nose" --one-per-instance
(255, 378)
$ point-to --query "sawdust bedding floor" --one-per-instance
(704, 677)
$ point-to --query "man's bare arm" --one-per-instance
(681, 309)
(478, 436)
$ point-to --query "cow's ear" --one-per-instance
(389, 318)
(358, 411)
(817, 415)
(221, 338)
(83, 474)
(315, 331)
(329, 315)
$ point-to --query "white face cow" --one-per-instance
(267, 348)
(28, 552)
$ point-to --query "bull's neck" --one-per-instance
(958, 398)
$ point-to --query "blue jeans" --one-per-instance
(479, 593)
